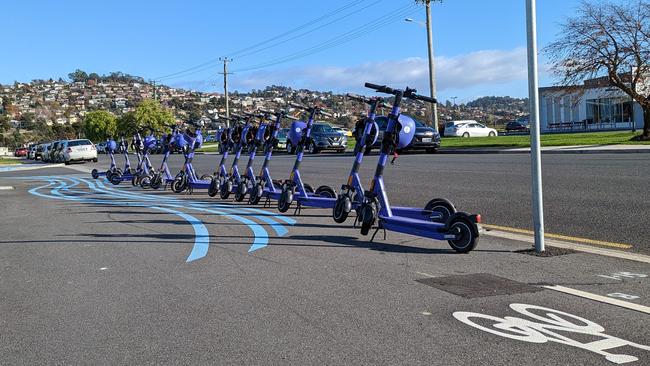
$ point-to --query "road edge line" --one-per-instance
(567, 245)
(600, 298)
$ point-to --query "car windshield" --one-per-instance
(418, 123)
(323, 128)
(282, 135)
(79, 142)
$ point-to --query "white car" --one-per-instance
(472, 129)
(79, 150)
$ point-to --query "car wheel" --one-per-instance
(312, 148)
(432, 150)
(67, 162)
(466, 134)
(491, 134)
(94, 160)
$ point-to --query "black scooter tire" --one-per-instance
(213, 189)
(225, 190)
(256, 194)
(240, 192)
(441, 206)
(286, 198)
(94, 173)
(341, 209)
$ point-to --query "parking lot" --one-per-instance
(100, 274)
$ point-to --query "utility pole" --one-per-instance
(432, 67)
(153, 83)
(225, 86)
(535, 149)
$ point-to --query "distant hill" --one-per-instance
(492, 102)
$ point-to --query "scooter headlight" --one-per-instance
(296, 132)
(406, 131)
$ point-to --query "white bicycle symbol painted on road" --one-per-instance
(547, 327)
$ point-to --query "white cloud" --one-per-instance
(481, 68)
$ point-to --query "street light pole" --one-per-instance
(432, 67)
(535, 150)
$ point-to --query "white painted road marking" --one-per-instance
(605, 299)
(546, 326)
(623, 296)
(619, 275)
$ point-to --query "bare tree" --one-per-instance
(608, 39)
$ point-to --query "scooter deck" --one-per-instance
(427, 229)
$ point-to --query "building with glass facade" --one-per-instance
(592, 106)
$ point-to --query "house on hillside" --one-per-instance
(595, 105)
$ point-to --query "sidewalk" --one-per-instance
(584, 149)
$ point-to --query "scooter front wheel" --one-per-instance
(341, 209)
(156, 181)
(135, 180)
(213, 189)
(179, 184)
(226, 188)
(94, 173)
(256, 194)
(286, 198)
(116, 178)
(240, 193)
(145, 182)
(367, 217)
(466, 234)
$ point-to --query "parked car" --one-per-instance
(101, 147)
(31, 151)
(343, 131)
(45, 155)
(55, 152)
(78, 150)
(20, 152)
(282, 139)
(471, 130)
(39, 152)
(324, 137)
(449, 126)
(517, 126)
(426, 138)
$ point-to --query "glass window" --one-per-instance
(79, 142)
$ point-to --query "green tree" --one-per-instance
(99, 125)
(78, 75)
(4, 123)
(609, 39)
(148, 114)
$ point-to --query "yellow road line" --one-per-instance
(560, 237)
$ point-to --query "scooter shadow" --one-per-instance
(355, 242)
(377, 246)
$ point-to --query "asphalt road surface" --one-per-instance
(97, 274)
(595, 196)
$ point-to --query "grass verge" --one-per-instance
(6, 161)
(564, 139)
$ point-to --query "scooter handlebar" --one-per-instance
(380, 88)
(422, 98)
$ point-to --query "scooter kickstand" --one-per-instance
(298, 209)
(380, 226)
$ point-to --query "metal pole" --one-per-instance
(535, 150)
(225, 87)
(432, 67)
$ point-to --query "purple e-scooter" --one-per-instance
(461, 230)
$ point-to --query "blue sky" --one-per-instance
(479, 45)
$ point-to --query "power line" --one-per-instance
(309, 31)
(208, 64)
(338, 40)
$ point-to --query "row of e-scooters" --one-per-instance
(251, 132)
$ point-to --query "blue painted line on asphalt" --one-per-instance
(201, 241)
(277, 227)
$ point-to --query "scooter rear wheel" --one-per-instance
(325, 191)
(466, 235)
(94, 173)
(442, 207)
(308, 188)
(145, 182)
